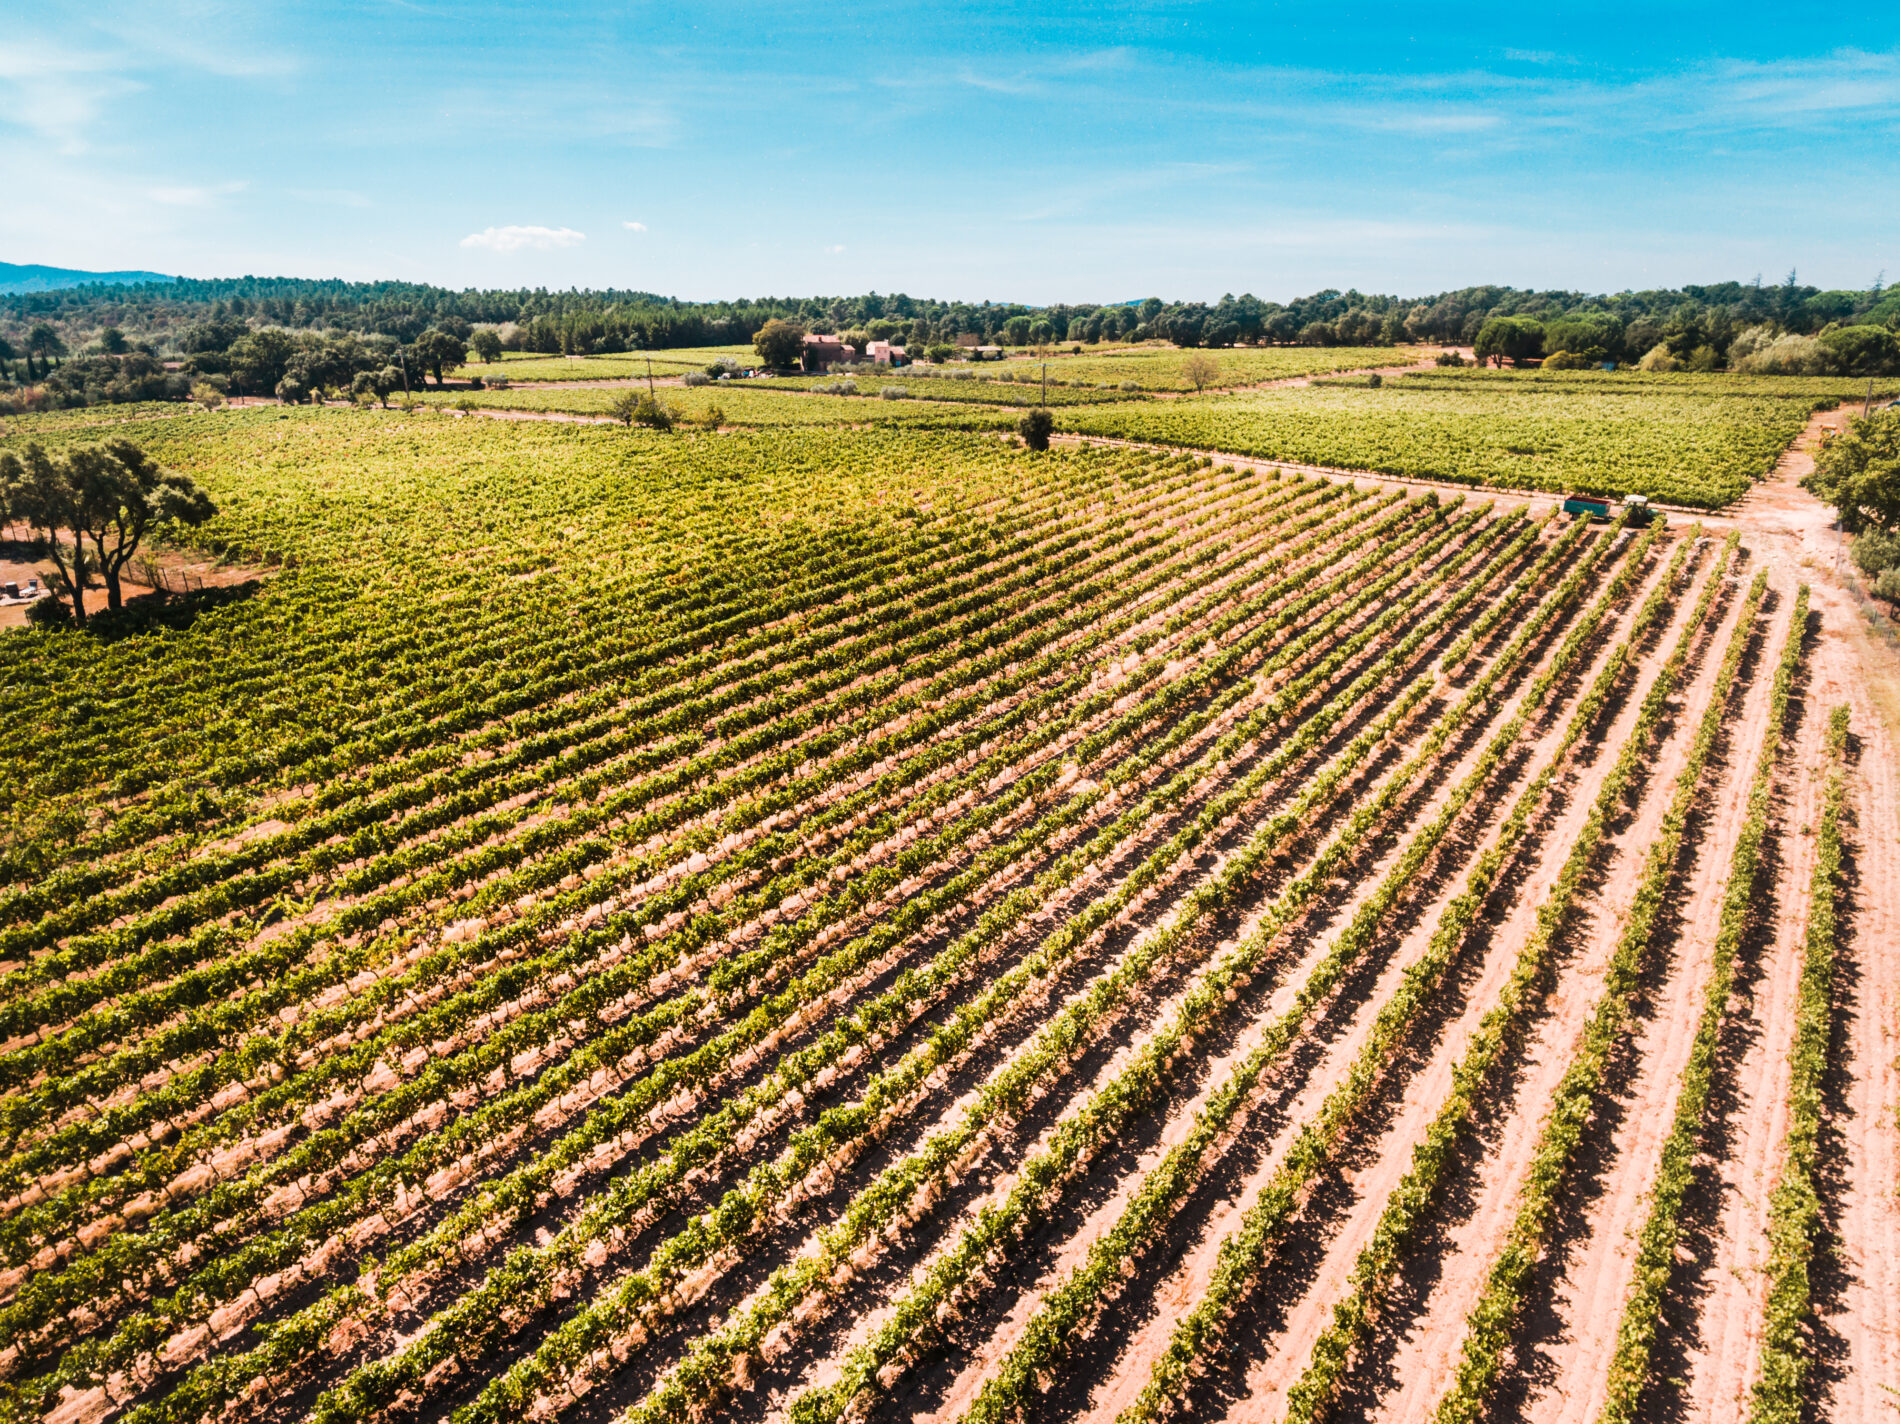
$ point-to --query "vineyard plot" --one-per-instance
(844, 924)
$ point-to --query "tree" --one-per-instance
(123, 495)
(35, 489)
(260, 358)
(779, 343)
(1035, 427)
(632, 408)
(112, 341)
(1858, 472)
(487, 345)
(435, 349)
(207, 395)
(1516, 339)
(1016, 331)
(112, 495)
(1202, 371)
(940, 353)
(1861, 350)
(376, 385)
(42, 341)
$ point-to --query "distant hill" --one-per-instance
(17, 277)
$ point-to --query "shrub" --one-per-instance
(894, 393)
(1035, 427)
(697, 378)
(1861, 350)
(48, 613)
(1764, 354)
(1567, 361)
(1876, 551)
(1131, 385)
(1887, 586)
(1450, 358)
(1375, 380)
(1659, 358)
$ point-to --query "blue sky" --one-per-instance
(1022, 152)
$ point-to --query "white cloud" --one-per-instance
(514, 237)
(835, 248)
(57, 92)
(634, 226)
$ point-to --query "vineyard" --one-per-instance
(866, 921)
(1698, 441)
(535, 366)
(1694, 440)
(1161, 370)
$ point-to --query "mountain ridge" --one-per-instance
(33, 277)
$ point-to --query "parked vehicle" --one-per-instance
(1587, 506)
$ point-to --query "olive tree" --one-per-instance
(1202, 371)
(108, 496)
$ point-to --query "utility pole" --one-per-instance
(1045, 383)
(649, 375)
(1868, 404)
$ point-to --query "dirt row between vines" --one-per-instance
(995, 1323)
(1707, 1348)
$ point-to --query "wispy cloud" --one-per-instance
(515, 237)
(57, 92)
(634, 226)
(193, 195)
(835, 249)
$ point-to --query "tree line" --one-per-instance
(254, 333)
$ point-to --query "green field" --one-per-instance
(537, 366)
(1685, 439)
(1161, 370)
(984, 389)
(563, 856)
(741, 405)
